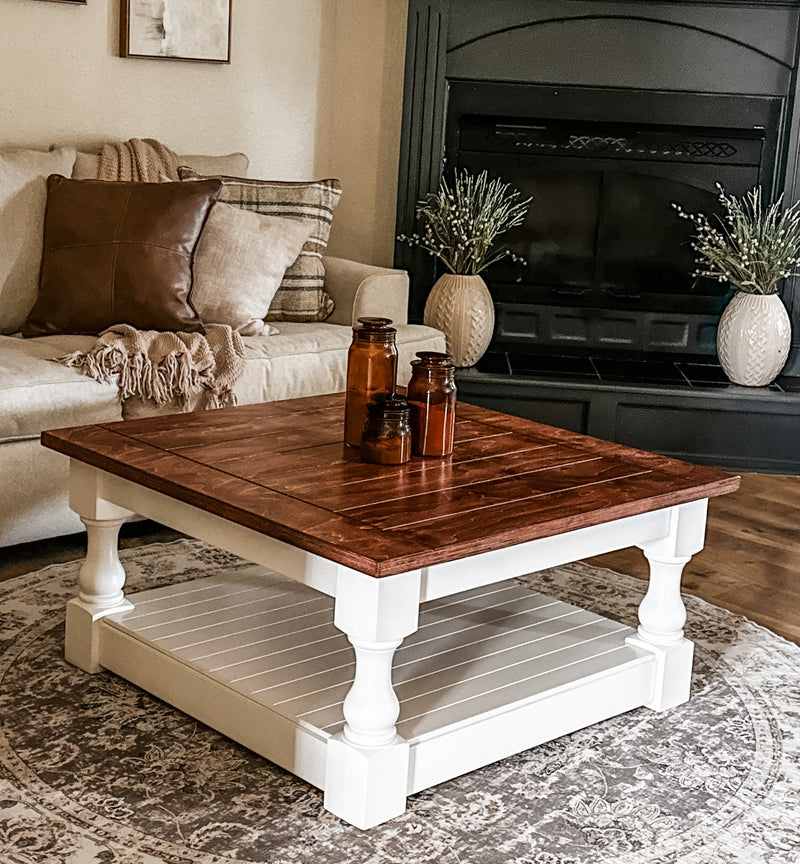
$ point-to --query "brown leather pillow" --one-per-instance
(119, 252)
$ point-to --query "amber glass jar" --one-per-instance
(386, 437)
(432, 396)
(371, 369)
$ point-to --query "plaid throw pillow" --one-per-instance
(301, 295)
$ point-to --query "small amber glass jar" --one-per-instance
(432, 396)
(386, 437)
(371, 369)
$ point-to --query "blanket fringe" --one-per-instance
(193, 367)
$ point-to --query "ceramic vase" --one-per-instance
(463, 309)
(753, 338)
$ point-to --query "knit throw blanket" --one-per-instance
(165, 367)
(142, 159)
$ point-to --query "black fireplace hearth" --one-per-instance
(607, 111)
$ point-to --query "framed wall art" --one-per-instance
(176, 29)
(71, 2)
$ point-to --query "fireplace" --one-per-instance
(608, 263)
(607, 111)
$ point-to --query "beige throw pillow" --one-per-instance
(23, 194)
(239, 262)
(301, 296)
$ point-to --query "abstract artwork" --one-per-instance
(176, 29)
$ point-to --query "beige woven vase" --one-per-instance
(462, 308)
(753, 338)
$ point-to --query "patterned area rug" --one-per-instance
(94, 770)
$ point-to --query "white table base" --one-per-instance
(387, 686)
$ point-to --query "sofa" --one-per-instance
(302, 358)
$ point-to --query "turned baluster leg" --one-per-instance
(371, 707)
(662, 613)
(366, 775)
(102, 576)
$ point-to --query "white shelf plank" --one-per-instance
(273, 641)
(220, 648)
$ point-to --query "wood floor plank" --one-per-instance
(751, 560)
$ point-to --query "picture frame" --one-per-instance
(71, 2)
(198, 30)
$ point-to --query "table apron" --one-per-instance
(438, 580)
(312, 570)
(485, 568)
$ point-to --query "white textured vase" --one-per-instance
(753, 338)
(463, 309)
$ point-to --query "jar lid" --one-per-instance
(374, 330)
(434, 360)
(388, 405)
(371, 323)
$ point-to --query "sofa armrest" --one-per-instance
(359, 290)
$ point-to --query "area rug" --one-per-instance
(94, 770)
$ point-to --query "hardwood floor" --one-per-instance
(751, 563)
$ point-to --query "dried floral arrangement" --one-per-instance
(463, 221)
(754, 246)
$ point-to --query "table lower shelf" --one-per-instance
(490, 672)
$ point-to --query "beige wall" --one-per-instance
(314, 87)
(358, 139)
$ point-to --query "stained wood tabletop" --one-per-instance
(281, 469)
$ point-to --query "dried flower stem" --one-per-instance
(754, 247)
(462, 222)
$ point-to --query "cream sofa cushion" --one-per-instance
(23, 194)
(239, 262)
(34, 496)
(305, 359)
(381, 292)
(309, 360)
(231, 163)
(88, 164)
(37, 394)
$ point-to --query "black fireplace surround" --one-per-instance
(606, 113)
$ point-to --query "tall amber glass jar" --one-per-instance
(371, 369)
(432, 396)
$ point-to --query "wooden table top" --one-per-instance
(280, 468)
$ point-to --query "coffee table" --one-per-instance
(395, 650)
